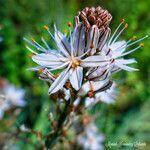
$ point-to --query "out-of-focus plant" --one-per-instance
(11, 100)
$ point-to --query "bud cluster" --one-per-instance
(94, 16)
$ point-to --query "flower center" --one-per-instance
(75, 62)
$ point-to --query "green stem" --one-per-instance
(51, 141)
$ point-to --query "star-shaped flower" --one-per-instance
(72, 57)
(115, 51)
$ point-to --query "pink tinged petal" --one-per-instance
(94, 61)
(79, 40)
(62, 43)
(93, 38)
(49, 60)
(59, 67)
(76, 77)
(59, 82)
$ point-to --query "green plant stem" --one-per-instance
(51, 141)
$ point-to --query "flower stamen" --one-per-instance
(75, 63)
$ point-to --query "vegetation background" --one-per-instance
(125, 121)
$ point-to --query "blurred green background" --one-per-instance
(128, 119)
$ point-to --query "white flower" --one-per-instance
(72, 57)
(108, 96)
(115, 50)
(98, 91)
(12, 97)
(91, 139)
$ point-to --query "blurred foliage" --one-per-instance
(128, 118)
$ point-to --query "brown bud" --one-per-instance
(94, 16)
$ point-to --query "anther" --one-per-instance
(126, 26)
(66, 31)
(123, 21)
(75, 63)
(91, 46)
(40, 70)
(134, 38)
(46, 27)
(142, 44)
(69, 24)
(33, 40)
(30, 55)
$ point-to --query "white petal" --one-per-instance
(79, 40)
(62, 43)
(36, 68)
(49, 60)
(100, 86)
(85, 88)
(67, 94)
(59, 82)
(117, 45)
(89, 102)
(118, 48)
(76, 77)
(122, 63)
(93, 38)
(76, 102)
(108, 96)
(94, 61)
(127, 68)
(103, 37)
(100, 74)
(126, 61)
